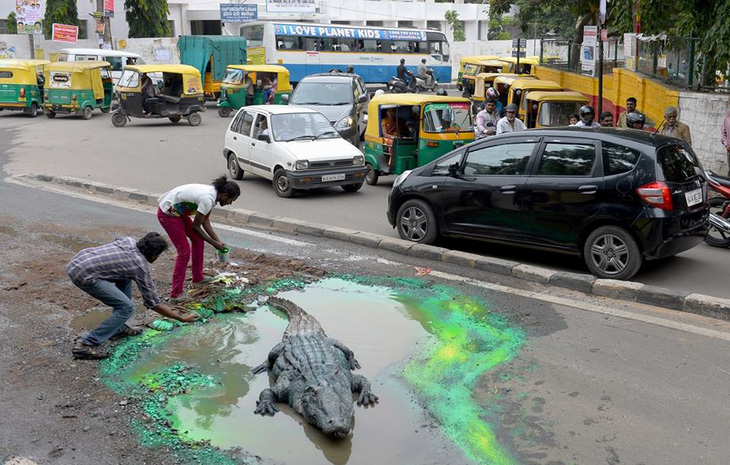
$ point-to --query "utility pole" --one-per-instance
(102, 16)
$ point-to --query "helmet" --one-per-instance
(586, 110)
(442, 91)
(402, 60)
(350, 69)
(491, 94)
(635, 117)
(423, 60)
(511, 107)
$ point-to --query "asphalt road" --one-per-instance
(596, 381)
(155, 155)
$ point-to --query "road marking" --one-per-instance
(152, 210)
(586, 306)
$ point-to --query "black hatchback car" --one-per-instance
(616, 197)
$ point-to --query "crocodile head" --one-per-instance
(329, 409)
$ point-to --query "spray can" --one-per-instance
(223, 254)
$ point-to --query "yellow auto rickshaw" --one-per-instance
(549, 109)
(527, 65)
(159, 91)
(502, 85)
(485, 81)
(468, 78)
(520, 87)
(21, 85)
(270, 84)
(464, 61)
(77, 87)
(409, 130)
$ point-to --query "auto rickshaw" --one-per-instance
(472, 69)
(502, 84)
(483, 82)
(409, 130)
(527, 65)
(159, 91)
(470, 59)
(550, 109)
(77, 87)
(21, 85)
(233, 91)
(520, 87)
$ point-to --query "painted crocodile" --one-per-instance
(312, 373)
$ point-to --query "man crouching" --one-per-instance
(106, 273)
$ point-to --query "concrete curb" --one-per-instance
(699, 304)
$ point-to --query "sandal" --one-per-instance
(127, 332)
(81, 350)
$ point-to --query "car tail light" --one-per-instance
(22, 92)
(656, 194)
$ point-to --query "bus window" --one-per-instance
(414, 47)
(399, 46)
(439, 48)
(288, 43)
(311, 44)
(254, 34)
(344, 45)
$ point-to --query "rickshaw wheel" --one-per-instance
(372, 176)
(194, 119)
(119, 120)
(33, 110)
(175, 119)
(224, 112)
(86, 113)
(50, 114)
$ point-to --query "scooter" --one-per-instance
(719, 233)
(421, 83)
(399, 86)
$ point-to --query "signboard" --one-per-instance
(256, 56)
(100, 27)
(588, 55)
(519, 47)
(65, 33)
(28, 16)
(347, 32)
(291, 6)
(239, 12)
(109, 8)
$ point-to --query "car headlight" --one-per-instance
(358, 160)
(301, 165)
(345, 123)
(401, 177)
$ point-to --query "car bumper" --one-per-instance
(673, 241)
(313, 179)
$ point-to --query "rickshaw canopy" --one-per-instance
(282, 74)
(20, 63)
(509, 79)
(394, 100)
(81, 74)
(565, 96)
(76, 66)
(474, 58)
(482, 78)
(21, 71)
(175, 69)
(191, 84)
(535, 84)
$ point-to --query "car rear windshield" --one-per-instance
(318, 93)
(678, 164)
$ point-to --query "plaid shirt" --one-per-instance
(116, 261)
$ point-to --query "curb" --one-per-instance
(699, 304)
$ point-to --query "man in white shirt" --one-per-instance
(510, 122)
(587, 115)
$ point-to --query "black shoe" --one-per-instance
(82, 351)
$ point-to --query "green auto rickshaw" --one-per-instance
(21, 85)
(270, 83)
(409, 130)
(78, 87)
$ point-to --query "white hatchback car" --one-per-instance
(295, 147)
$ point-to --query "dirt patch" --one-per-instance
(56, 409)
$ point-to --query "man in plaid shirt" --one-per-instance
(106, 273)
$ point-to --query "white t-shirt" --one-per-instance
(581, 124)
(504, 126)
(187, 199)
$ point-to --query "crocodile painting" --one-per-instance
(312, 373)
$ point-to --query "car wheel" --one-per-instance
(234, 169)
(281, 183)
(86, 113)
(416, 222)
(716, 237)
(351, 187)
(194, 119)
(372, 175)
(610, 252)
(33, 110)
(119, 120)
(224, 112)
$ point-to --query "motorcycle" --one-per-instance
(719, 233)
(422, 85)
(399, 86)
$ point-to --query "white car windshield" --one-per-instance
(302, 126)
(317, 93)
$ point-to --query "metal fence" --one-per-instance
(673, 60)
(565, 55)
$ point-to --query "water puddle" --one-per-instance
(91, 320)
(73, 243)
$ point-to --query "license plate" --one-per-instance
(693, 197)
(333, 177)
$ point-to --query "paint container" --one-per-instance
(223, 254)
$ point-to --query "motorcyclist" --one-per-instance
(350, 69)
(488, 117)
(403, 73)
(425, 73)
(636, 120)
(587, 115)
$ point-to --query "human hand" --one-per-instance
(221, 246)
(184, 316)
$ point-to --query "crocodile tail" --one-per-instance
(300, 322)
(287, 306)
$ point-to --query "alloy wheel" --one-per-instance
(610, 254)
(414, 224)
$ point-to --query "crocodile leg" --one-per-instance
(273, 355)
(362, 385)
(349, 355)
(266, 405)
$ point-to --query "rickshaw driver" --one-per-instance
(148, 92)
(249, 87)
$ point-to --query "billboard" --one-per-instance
(588, 55)
(28, 16)
(65, 33)
(291, 6)
(238, 12)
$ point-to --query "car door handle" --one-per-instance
(588, 189)
(508, 189)
(235, 138)
(253, 144)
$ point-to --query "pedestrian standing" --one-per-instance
(175, 208)
(631, 108)
(607, 119)
(106, 273)
(674, 128)
(726, 137)
(510, 123)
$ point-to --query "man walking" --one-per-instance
(631, 108)
(674, 128)
(510, 123)
(106, 273)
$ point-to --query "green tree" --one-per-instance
(11, 23)
(147, 18)
(59, 11)
(496, 28)
(452, 17)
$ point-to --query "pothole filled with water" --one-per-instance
(414, 344)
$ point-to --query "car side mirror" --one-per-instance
(264, 138)
(285, 99)
(363, 98)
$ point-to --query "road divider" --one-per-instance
(699, 304)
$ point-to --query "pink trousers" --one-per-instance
(180, 229)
